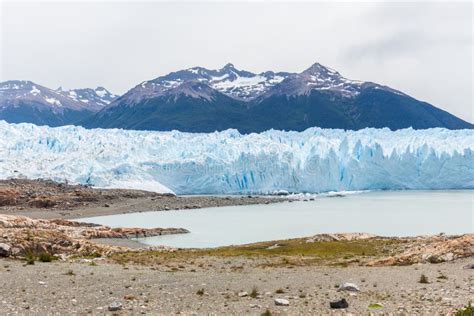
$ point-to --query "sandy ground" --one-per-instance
(82, 288)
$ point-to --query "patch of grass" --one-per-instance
(46, 257)
(442, 277)
(280, 291)
(290, 252)
(200, 292)
(254, 293)
(423, 279)
(30, 258)
(467, 310)
(267, 312)
(375, 305)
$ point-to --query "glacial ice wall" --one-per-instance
(315, 160)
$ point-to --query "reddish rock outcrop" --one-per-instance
(22, 235)
(8, 197)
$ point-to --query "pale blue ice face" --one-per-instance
(399, 213)
(227, 162)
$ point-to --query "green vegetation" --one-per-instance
(468, 310)
(289, 253)
(375, 305)
(30, 258)
(46, 257)
(267, 312)
(442, 277)
(254, 293)
(200, 292)
(423, 279)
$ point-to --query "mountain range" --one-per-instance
(203, 100)
(26, 101)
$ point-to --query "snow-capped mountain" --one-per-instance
(238, 84)
(95, 98)
(203, 100)
(321, 78)
(315, 160)
(26, 101)
(246, 86)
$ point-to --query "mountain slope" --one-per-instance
(26, 101)
(203, 100)
(190, 107)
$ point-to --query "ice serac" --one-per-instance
(315, 160)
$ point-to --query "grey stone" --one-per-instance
(282, 302)
(351, 287)
(115, 306)
(5, 250)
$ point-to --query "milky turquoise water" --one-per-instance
(388, 213)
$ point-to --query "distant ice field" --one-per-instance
(227, 162)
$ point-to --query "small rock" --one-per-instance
(255, 306)
(282, 302)
(243, 294)
(115, 306)
(342, 303)
(41, 283)
(469, 266)
(274, 246)
(5, 250)
(352, 287)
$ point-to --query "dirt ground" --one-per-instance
(210, 286)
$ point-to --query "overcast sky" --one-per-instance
(424, 49)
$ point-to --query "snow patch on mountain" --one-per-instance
(95, 98)
(315, 160)
(53, 101)
(35, 90)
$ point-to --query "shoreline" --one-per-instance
(45, 199)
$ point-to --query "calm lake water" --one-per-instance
(395, 213)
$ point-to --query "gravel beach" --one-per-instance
(212, 286)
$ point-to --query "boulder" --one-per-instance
(282, 302)
(342, 303)
(351, 287)
(5, 250)
(115, 306)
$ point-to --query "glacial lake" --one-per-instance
(387, 213)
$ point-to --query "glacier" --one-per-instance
(315, 160)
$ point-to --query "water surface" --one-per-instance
(387, 213)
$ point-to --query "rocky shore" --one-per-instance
(49, 200)
(21, 236)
